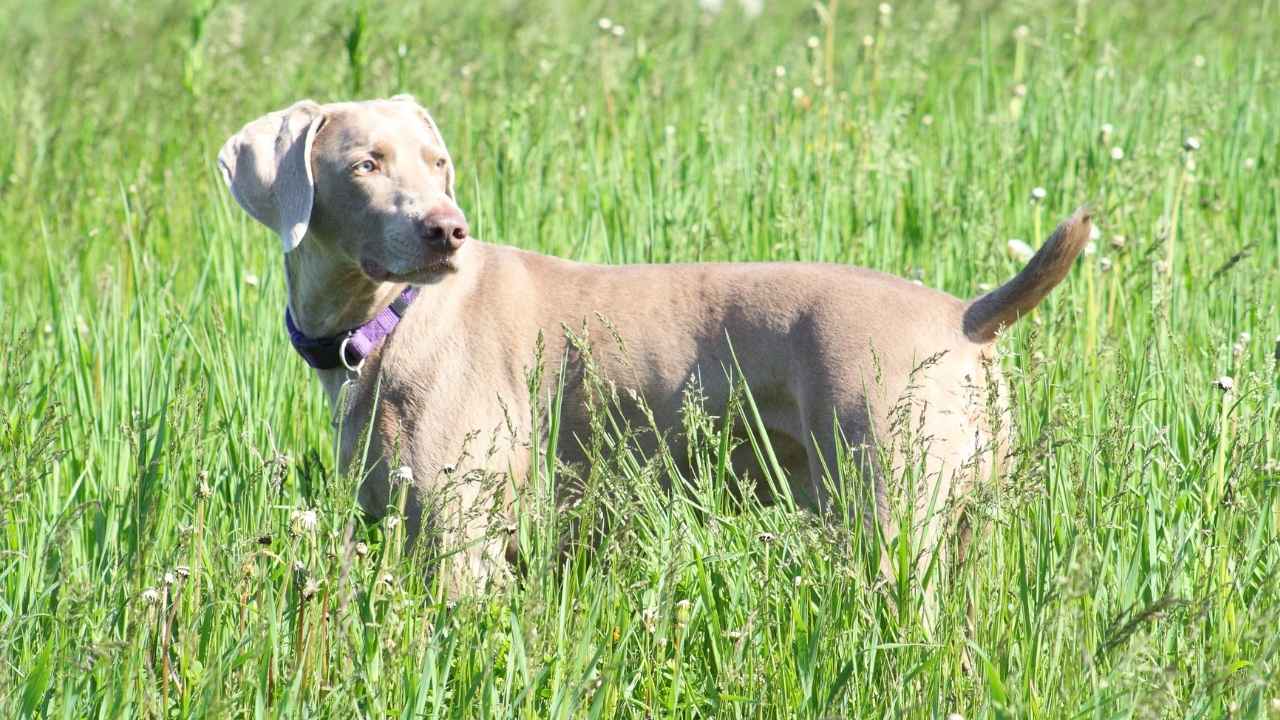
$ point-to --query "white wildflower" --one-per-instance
(1019, 250)
(650, 619)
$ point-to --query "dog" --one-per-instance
(434, 335)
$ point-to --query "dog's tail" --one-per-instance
(986, 315)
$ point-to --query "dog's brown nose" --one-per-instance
(444, 230)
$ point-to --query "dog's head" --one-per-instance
(370, 183)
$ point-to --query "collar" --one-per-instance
(349, 348)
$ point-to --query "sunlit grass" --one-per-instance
(161, 447)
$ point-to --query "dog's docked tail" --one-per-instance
(986, 315)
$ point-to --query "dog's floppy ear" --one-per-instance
(435, 131)
(267, 166)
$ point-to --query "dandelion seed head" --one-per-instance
(812, 42)
(303, 522)
(780, 71)
(1118, 241)
(1021, 32)
(1224, 383)
(766, 538)
(150, 596)
(1104, 264)
(1199, 61)
(604, 24)
(1038, 194)
(868, 41)
(1191, 144)
(362, 549)
(1117, 153)
(619, 30)
(885, 9)
(1020, 90)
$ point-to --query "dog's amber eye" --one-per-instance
(365, 167)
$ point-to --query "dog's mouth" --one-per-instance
(435, 267)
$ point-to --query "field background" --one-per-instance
(156, 428)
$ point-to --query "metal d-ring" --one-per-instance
(342, 355)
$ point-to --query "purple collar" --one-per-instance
(349, 348)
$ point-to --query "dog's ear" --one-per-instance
(267, 166)
(435, 132)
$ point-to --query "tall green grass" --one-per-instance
(161, 444)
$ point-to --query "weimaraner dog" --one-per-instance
(435, 335)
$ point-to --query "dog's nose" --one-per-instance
(444, 230)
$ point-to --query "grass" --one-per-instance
(161, 443)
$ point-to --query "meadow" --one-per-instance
(177, 541)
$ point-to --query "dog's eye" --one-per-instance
(441, 162)
(364, 167)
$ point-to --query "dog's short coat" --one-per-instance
(362, 197)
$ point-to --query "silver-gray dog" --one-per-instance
(388, 291)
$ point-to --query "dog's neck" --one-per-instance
(328, 296)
